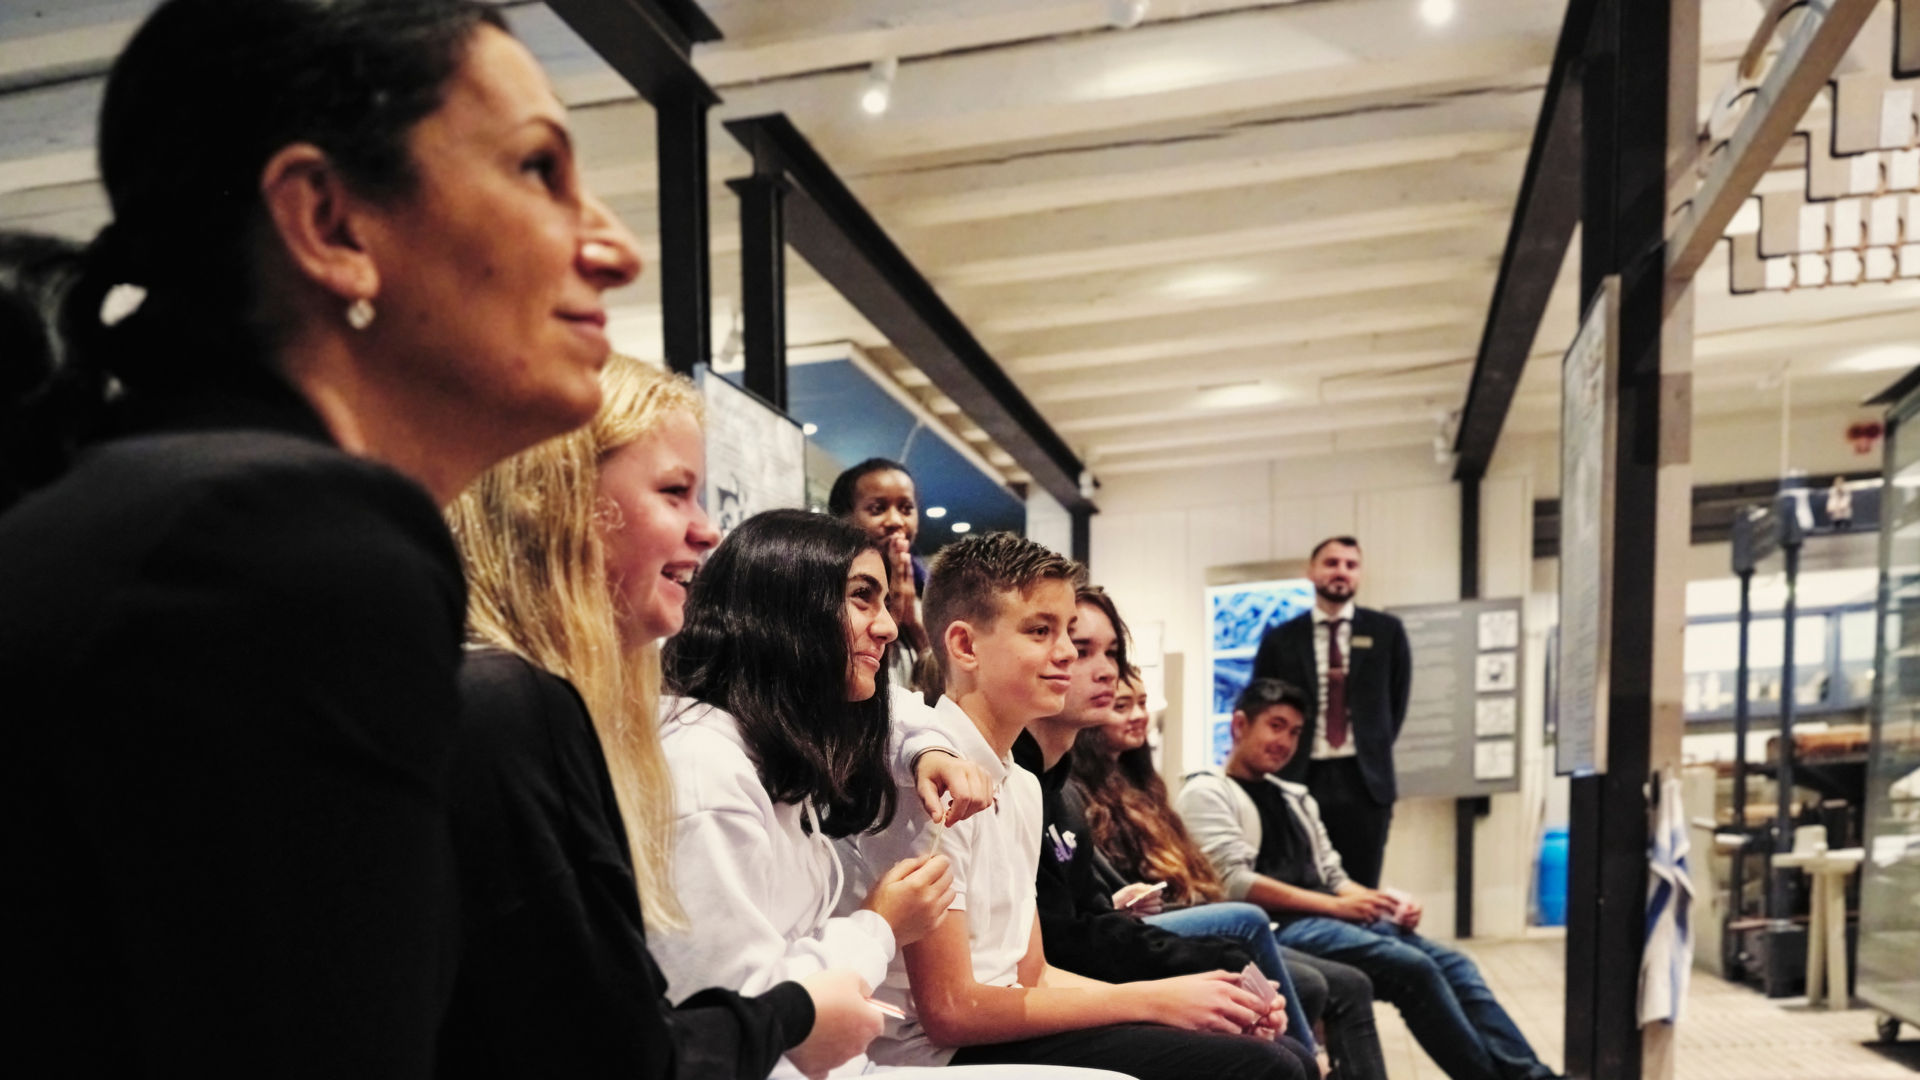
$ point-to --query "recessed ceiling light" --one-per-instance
(878, 92)
(1885, 358)
(809, 429)
(936, 512)
(961, 527)
(1437, 12)
(1236, 395)
(1215, 281)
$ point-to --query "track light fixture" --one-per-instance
(1126, 14)
(878, 93)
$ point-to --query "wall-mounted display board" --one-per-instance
(1587, 434)
(1462, 734)
(756, 456)
(1238, 616)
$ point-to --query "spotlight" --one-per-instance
(879, 89)
(936, 512)
(961, 527)
(1437, 12)
(809, 429)
(1126, 14)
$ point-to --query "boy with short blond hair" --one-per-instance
(978, 990)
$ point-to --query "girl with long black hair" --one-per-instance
(780, 744)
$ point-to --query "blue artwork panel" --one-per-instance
(1230, 676)
(1222, 743)
(1239, 617)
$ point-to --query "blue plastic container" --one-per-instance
(1551, 897)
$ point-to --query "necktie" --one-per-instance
(1336, 687)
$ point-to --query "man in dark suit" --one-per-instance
(1359, 660)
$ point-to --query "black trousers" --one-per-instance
(1152, 1052)
(1340, 998)
(1356, 824)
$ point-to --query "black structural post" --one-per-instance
(1082, 518)
(1780, 885)
(1623, 221)
(763, 283)
(1469, 810)
(1742, 713)
(680, 120)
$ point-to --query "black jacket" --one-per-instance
(1379, 676)
(555, 978)
(1081, 931)
(229, 651)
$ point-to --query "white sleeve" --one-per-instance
(1206, 805)
(912, 730)
(723, 872)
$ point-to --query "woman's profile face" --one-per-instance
(1127, 727)
(884, 505)
(490, 272)
(653, 529)
(869, 627)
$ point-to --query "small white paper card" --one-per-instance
(1493, 716)
(1495, 672)
(1499, 630)
(1493, 760)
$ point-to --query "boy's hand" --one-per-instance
(938, 773)
(1213, 1001)
(1364, 906)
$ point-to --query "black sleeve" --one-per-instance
(1116, 947)
(555, 976)
(1082, 933)
(1401, 685)
(275, 707)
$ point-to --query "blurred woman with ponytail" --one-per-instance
(351, 265)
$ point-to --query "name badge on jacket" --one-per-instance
(1361, 641)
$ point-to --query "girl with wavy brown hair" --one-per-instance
(1140, 841)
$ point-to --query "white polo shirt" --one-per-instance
(995, 855)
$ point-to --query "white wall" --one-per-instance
(1048, 522)
(1158, 533)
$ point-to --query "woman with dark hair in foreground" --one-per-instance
(350, 266)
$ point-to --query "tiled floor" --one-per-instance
(1728, 1032)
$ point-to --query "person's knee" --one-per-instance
(1272, 1061)
(1312, 987)
(1403, 974)
(1348, 984)
(1243, 920)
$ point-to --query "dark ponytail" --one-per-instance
(200, 100)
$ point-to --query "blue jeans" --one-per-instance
(1250, 925)
(1446, 1003)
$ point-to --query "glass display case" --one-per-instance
(1889, 949)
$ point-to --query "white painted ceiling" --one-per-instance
(1241, 230)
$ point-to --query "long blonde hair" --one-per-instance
(529, 532)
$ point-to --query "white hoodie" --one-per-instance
(758, 889)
